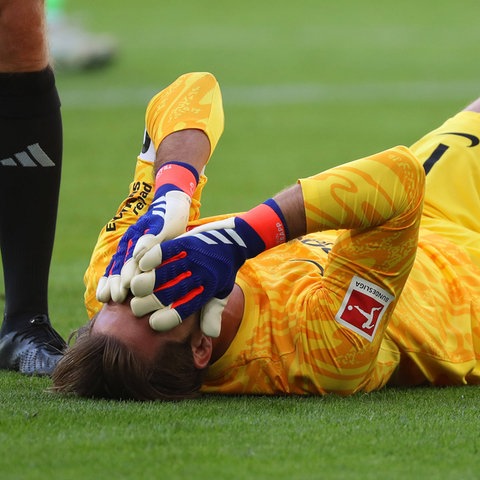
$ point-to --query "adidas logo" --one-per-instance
(33, 156)
(227, 236)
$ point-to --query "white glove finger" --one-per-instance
(129, 270)
(144, 243)
(119, 294)
(142, 305)
(151, 259)
(177, 210)
(211, 316)
(143, 284)
(103, 290)
(165, 319)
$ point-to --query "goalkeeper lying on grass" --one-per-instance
(348, 281)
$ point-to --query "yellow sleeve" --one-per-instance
(347, 196)
(192, 101)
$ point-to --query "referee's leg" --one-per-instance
(30, 167)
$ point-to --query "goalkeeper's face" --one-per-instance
(118, 320)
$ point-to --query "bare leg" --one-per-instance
(23, 43)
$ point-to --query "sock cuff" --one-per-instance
(28, 94)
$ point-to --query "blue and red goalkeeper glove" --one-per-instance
(196, 271)
(166, 218)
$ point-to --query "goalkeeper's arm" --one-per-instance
(197, 270)
(201, 265)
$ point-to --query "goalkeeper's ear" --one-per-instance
(202, 348)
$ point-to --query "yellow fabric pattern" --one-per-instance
(452, 198)
(194, 100)
(435, 328)
(434, 334)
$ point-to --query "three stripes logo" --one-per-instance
(228, 237)
(33, 156)
(218, 232)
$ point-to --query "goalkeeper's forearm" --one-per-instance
(290, 202)
(188, 146)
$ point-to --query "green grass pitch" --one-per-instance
(306, 85)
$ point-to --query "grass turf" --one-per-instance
(306, 85)
(421, 433)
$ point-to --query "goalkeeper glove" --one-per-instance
(166, 218)
(197, 270)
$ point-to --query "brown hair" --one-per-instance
(101, 366)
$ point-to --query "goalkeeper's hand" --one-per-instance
(166, 218)
(196, 271)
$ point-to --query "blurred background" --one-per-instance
(306, 85)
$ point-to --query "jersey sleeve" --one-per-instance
(193, 101)
(363, 193)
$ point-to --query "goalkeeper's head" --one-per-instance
(118, 356)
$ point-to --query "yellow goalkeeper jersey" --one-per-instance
(295, 336)
(316, 320)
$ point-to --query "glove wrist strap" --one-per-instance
(269, 225)
(179, 175)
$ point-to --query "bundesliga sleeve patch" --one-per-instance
(363, 307)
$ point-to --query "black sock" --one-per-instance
(30, 168)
